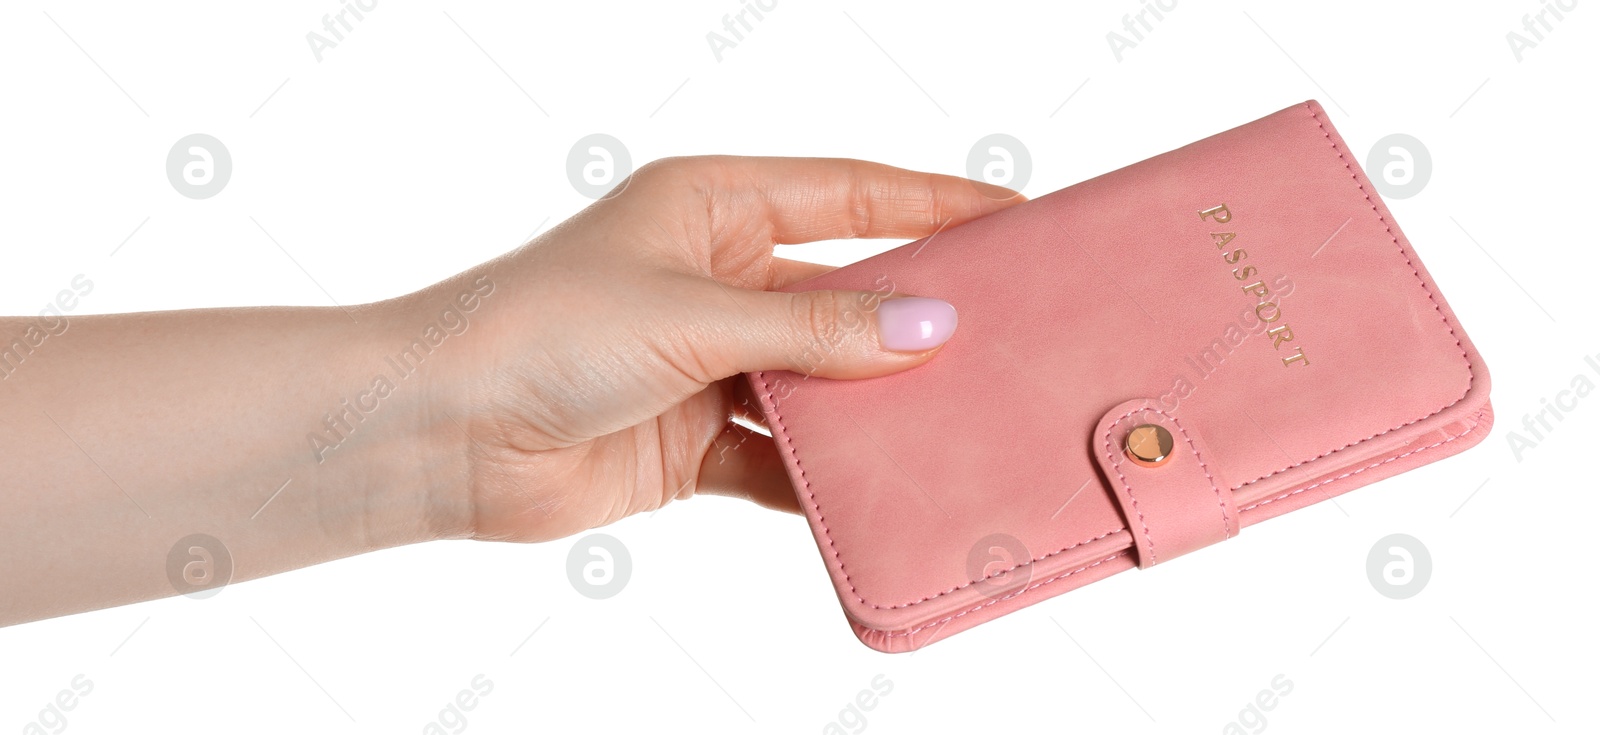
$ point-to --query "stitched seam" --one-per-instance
(1116, 465)
(1221, 504)
(944, 620)
(1024, 590)
(1364, 469)
(811, 497)
(1471, 377)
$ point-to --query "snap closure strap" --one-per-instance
(1172, 506)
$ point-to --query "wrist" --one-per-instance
(435, 352)
(383, 448)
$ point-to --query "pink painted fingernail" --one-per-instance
(915, 324)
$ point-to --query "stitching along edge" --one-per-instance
(1432, 299)
(788, 446)
(1125, 552)
(996, 600)
(1127, 486)
(1475, 424)
(783, 431)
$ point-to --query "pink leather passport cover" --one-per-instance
(994, 476)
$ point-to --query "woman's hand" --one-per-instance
(587, 376)
(601, 372)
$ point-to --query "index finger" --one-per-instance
(796, 200)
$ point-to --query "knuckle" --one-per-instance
(661, 170)
(942, 206)
(676, 170)
(817, 314)
(862, 205)
(676, 176)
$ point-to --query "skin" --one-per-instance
(595, 375)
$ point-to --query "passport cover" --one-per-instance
(1249, 293)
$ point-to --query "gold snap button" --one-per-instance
(1149, 445)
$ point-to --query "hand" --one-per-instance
(601, 374)
(587, 376)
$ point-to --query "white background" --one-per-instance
(407, 154)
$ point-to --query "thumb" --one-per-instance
(835, 334)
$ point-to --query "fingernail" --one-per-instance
(915, 324)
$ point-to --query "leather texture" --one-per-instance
(1249, 292)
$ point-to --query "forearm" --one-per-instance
(285, 433)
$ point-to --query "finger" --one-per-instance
(744, 464)
(794, 200)
(786, 272)
(830, 334)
